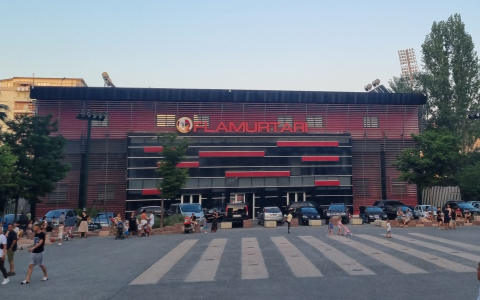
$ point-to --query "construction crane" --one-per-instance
(107, 82)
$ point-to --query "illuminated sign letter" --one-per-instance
(221, 126)
(286, 126)
(251, 130)
(240, 128)
(263, 126)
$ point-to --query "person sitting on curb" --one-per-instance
(468, 216)
(408, 218)
(400, 215)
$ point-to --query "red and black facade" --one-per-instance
(262, 147)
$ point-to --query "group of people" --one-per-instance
(450, 216)
(404, 217)
(9, 245)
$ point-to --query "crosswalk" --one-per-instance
(311, 256)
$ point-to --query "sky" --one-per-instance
(314, 45)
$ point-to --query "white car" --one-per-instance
(419, 210)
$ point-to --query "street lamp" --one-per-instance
(89, 116)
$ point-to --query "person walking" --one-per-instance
(214, 221)
(289, 220)
(36, 256)
(340, 227)
(439, 218)
(454, 219)
(12, 239)
(151, 222)
(3, 252)
(60, 233)
(388, 235)
(83, 228)
(330, 227)
(61, 219)
(133, 224)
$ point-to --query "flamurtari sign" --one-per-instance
(185, 125)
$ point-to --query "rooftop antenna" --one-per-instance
(107, 82)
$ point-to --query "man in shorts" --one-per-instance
(12, 240)
(36, 257)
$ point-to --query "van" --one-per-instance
(187, 209)
(236, 212)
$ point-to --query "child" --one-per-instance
(340, 226)
(389, 230)
(347, 231)
(205, 225)
(60, 233)
(330, 227)
(126, 232)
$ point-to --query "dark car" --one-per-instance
(209, 213)
(236, 212)
(338, 209)
(373, 213)
(463, 206)
(306, 213)
(157, 210)
(8, 219)
(294, 205)
(392, 211)
(383, 204)
(102, 219)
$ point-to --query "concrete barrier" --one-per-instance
(226, 225)
(270, 224)
(356, 221)
(384, 224)
(316, 222)
(476, 218)
(377, 223)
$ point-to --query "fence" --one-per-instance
(440, 195)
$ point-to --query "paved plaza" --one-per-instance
(258, 263)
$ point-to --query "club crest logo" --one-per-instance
(184, 124)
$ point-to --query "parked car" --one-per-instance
(70, 218)
(373, 213)
(338, 209)
(383, 204)
(102, 219)
(187, 209)
(475, 204)
(157, 210)
(306, 213)
(270, 213)
(209, 213)
(8, 219)
(392, 211)
(236, 212)
(419, 210)
(463, 206)
(294, 205)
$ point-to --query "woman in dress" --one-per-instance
(83, 228)
(214, 221)
(114, 223)
(133, 224)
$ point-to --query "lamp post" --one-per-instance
(89, 116)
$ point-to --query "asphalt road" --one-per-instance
(258, 263)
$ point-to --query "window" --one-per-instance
(105, 192)
(43, 84)
(399, 188)
(202, 118)
(285, 119)
(59, 194)
(370, 122)
(315, 121)
(361, 186)
(165, 120)
(103, 123)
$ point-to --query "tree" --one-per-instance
(451, 79)
(39, 153)
(433, 163)
(468, 175)
(7, 169)
(402, 85)
(3, 112)
(173, 178)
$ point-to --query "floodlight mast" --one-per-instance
(107, 82)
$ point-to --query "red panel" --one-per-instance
(327, 182)
(152, 149)
(150, 192)
(320, 158)
(258, 174)
(188, 164)
(306, 144)
(231, 153)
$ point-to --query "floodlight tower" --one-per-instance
(107, 82)
(408, 62)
